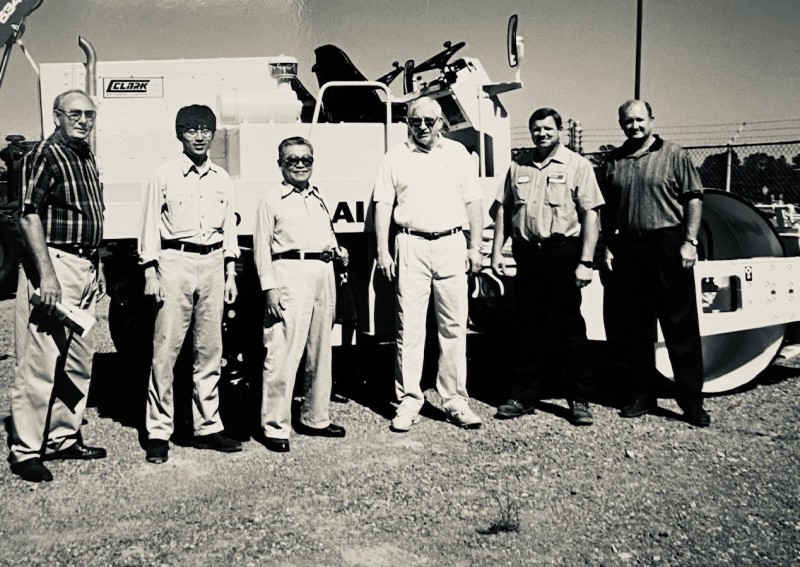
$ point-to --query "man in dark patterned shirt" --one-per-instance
(62, 224)
(654, 201)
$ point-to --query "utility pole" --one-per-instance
(637, 85)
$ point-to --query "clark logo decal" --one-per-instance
(133, 87)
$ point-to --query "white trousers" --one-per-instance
(308, 292)
(425, 265)
(54, 365)
(190, 284)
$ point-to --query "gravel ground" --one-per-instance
(650, 491)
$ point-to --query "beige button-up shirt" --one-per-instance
(190, 204)
(431, 188)
(289, 219)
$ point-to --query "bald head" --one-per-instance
(636, 103)
(424, 120)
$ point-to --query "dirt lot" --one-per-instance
(651, 491)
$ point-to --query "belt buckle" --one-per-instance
(326, 256)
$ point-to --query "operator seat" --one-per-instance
(346, 104)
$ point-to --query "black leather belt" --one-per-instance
(628, 234)
(544, 244)
(430, 235)
(190, 247)
(79, 250)
(326, 256)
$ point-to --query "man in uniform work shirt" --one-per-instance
(188, 246)
(430, 186)
(294, 246)
(552, 199)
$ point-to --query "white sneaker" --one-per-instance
(404, 419)
(461, 415)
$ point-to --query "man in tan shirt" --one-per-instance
(188, 247)
(295, 247)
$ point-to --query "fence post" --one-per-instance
(728, 164)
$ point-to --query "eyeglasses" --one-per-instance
(416, 121)
(292, 161)
(75, 115)
(193, 132)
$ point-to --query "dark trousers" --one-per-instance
(551, 332)
(650, 283)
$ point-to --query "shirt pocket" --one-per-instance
(218, 205)
(557, 192)
(181, 212)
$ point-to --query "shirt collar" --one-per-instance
(561, 155)
(287, 189)
(187, 165)
(625, 149)
(415, 147)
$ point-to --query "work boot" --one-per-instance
(512, 409)
(694, 414)
(157, 451)
(579, 413)
(642, 405)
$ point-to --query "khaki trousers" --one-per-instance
(190, 284)
(54, 365)
(425, 265)
(308, 292)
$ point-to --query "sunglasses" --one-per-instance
(292, 161)
(75, 115)
(417, 122)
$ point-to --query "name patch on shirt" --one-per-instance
(523, 179)
(557, 178)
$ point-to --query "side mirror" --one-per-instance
(408, 77)
(515, 46)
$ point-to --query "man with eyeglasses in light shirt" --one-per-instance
(61, 222)
(429, 187)
(295, 247)
(188, 248)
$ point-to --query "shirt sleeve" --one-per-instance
(262, 245)
(471, 189)
(150, 237)
(230, 239)
(686, 175)
(384, 191)
(37, 183)
(587, 188)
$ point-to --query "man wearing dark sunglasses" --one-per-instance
(62, 225)
(294, 247)
(188, 248)
(429, 187)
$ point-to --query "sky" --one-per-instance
(709, 62)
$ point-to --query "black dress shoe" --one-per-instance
(157, 451)
(217, 442)
(32, 470)
(77, 451)
(512, 409)
(276, 445)
(641, 406)
(694, 414)
(332, 430)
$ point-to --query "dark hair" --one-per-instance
(293, 141)
(194, 116)
(543, 113)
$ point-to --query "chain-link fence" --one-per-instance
(763, 173)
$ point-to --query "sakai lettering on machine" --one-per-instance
(345, 213)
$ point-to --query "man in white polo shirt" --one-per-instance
(428, 185)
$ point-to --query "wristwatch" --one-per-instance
(586, 263)
(692, 241)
